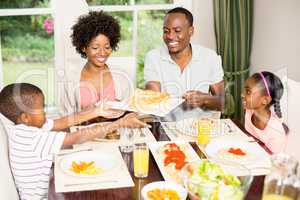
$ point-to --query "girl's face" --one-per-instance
(252, 96)
(98, 50)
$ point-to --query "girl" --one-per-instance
(261, 91)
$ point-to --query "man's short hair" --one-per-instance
(184, 11)
(18, 98)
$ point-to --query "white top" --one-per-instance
(31, 152)
(203, 70)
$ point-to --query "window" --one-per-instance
(27, 41)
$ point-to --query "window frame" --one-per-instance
(132, 7)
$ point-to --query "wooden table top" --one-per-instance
(133, 193)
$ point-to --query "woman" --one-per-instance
(94, 37)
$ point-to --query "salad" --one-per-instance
(208, 181)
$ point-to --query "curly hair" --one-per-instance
(90, 26)
(16, 98)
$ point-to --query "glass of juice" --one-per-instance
(204, 131)
(281, 182)
(141, 160)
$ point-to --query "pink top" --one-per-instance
(273, 135)
(89, 96)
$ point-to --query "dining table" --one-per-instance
(134, 193)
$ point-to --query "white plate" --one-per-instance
(106, 162)
(160, 109)
(164, 185)
(189, 127)
(254, 152)
(189, 151)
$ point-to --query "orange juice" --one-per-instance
(204, 131)
(141, 161)
(276, 197)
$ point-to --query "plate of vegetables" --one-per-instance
(207, 180)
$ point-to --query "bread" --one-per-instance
(148, 97)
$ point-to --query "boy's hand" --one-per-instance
(131, 121)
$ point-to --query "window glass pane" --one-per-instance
(125, 45)
(107, 2)
(149, 37)
(24, 3)
(153, 1)
(27, 46)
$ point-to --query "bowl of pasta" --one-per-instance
(162, 190)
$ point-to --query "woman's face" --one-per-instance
(252, 96)
(98, 50)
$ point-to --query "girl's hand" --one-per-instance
(131, 121)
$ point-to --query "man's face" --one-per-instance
(177, 32)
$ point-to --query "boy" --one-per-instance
(32, 144)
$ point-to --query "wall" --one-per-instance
(276, 36)
(276, 33)
(204, 23)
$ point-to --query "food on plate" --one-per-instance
(87, 168)
(208, 181)
(235, 154)
(174, 157)
(148, 97)
(115, 135)
(237, 151)
(162, 194)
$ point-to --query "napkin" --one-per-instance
(66, 182)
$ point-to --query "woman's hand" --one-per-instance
(106, 111)
(131, 121)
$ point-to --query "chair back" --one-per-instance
(293, 110)
(7, 185)
(125, 65)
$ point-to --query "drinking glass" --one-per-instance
(126, 140)
(204, 132)
(280, 183)
(140, 160)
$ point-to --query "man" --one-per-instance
(184, 69)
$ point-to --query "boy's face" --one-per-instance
(37, 116)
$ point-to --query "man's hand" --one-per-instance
(194, 99)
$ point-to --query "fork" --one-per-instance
(142, 134)
(74, 151)
(229, 127)
(98, 182)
